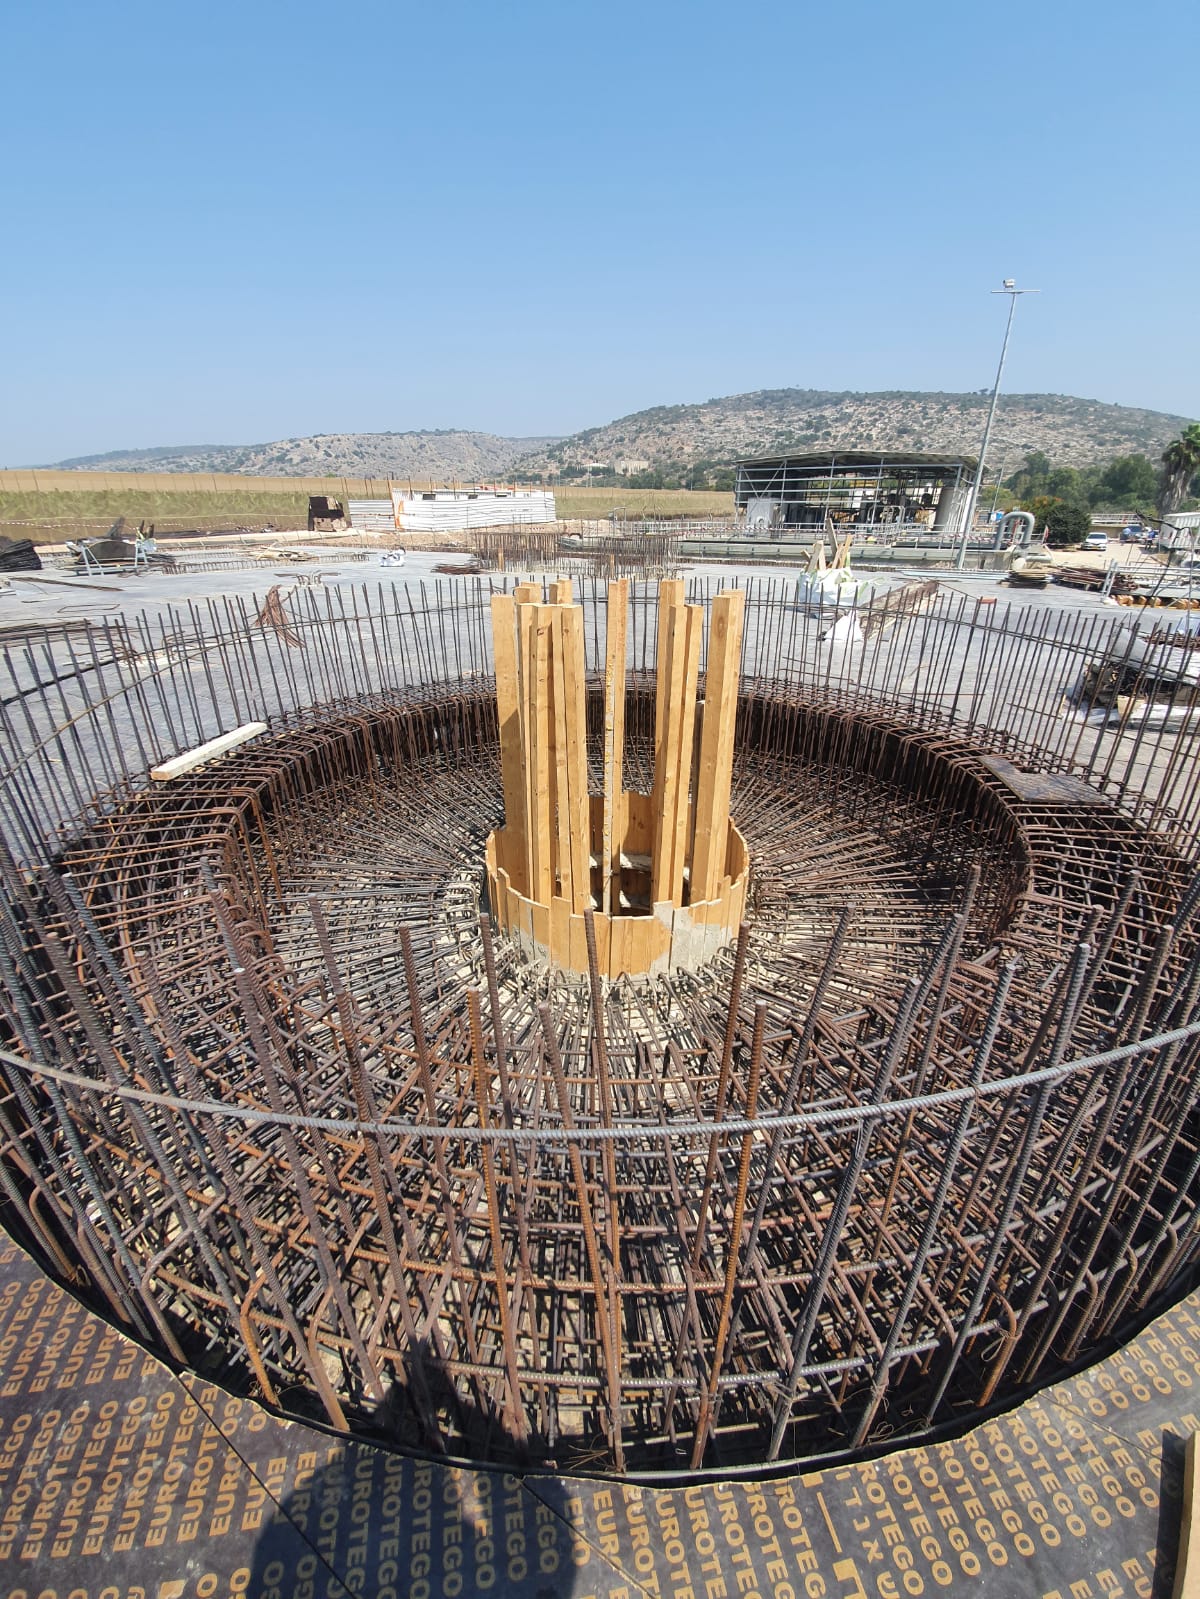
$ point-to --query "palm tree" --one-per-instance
(1181, 463)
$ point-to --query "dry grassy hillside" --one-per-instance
(1072, 432)
(455, 456)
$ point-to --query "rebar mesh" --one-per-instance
(278, 1100)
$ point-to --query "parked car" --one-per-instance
(1095, 541)
(1134, 533)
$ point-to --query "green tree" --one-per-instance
(1066, 483)
(1130, 483)
(1039, 476)
(1181, 464)
(1060, 523)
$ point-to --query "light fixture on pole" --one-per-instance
(1010, 288)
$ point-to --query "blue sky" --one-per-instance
(234, 223)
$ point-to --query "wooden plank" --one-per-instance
(635, 942)
(528, 594)
(674, 623)
(1187, 1558)
(191, 759)
(539, 756)
(614, 739)
(560, 931)
(662, 675)
(543, 765)
(576, 956)
(539, 916)
(716, 744)
(616, 951)
(526, 675)
(560, 812)
(575, 688)
(738, 908)
(670, 599)
(508, 709)
(560, 591)
(685, 732)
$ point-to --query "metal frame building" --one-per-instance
(852, 489)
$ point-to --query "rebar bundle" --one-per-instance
(281, 1099)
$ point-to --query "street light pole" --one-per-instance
(1010, 288)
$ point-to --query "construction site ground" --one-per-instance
(119, 1477)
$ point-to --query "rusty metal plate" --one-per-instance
(1043, 788)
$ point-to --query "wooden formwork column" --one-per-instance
(542, 707)
(680, 628)
(508, 710)
(683, 739)
(614, 740)
(576, 796)
(715, 774)
(670, 598)
(539, 755)
(560, 813)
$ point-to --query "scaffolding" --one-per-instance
(851, 490)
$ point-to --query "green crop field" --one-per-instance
(51, 506)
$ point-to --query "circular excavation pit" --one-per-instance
(910, 1144)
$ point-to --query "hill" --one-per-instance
(1072, 432)
(448, 455)
(694, 444)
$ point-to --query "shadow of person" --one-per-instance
(361, 1518)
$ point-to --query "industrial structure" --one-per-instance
(852, 491)
(284, 1092)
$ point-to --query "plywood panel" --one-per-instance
(684, 738)
(508, 709)
(540, 755)
(716, 743)
(559, 718)
(575, 692)
(614, 738)
(560, 931)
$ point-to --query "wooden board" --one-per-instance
(685, 739)
(614, 738)
(221, 745)
(539, 756)
(508, 710)
(560, 869)
(716, 744)
(681, 639)
(1187, 1561)
(575, 696)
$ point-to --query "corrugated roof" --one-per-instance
(852, 458)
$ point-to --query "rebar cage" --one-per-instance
(276, 1098)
